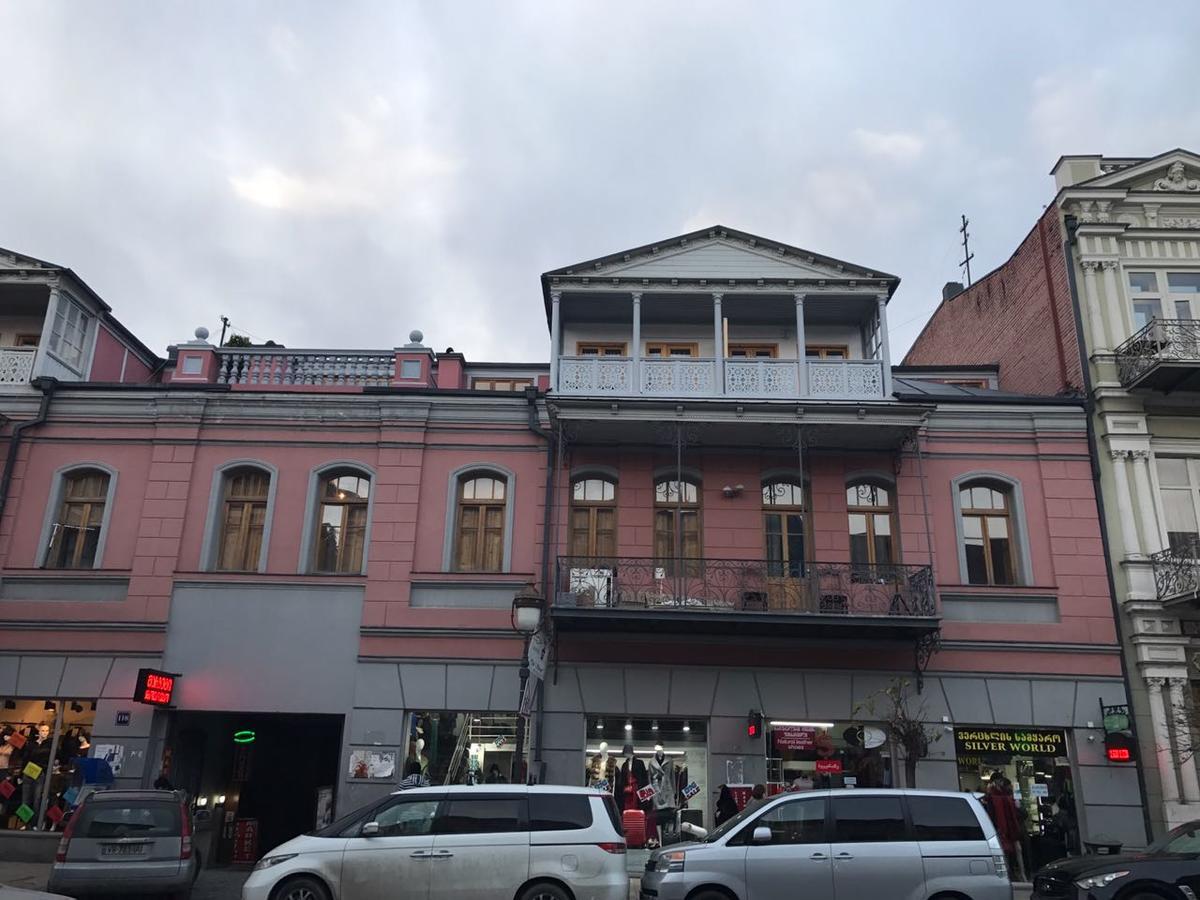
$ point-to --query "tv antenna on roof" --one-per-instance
(967, 254)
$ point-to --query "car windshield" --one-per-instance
(1182, 839)
(729, 824)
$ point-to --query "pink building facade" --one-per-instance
(730, 502)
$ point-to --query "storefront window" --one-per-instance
(804, 756)
(41, 744)
(666, 760)
(1032, 766)
(462, 747)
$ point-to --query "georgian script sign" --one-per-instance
(1018, 741)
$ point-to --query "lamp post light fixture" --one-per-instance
(526, 619)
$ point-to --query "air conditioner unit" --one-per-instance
(592, 587)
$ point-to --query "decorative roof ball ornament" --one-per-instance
(201, 333)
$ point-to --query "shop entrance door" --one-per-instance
(260, 767)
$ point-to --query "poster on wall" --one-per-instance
(113, 754)
(372, 764)
(792, 737)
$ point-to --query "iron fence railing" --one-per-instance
(1177, 570)
(739, 585)
(1163, 340)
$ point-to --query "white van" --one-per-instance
(461, 842)
(893, 844)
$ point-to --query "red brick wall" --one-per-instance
(1009, 317)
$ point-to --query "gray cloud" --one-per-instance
(337, 174)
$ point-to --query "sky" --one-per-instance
(336, 174)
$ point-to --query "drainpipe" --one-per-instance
(1094, 449)
(47, 386)
(547, 526)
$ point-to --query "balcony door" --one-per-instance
(677, 526)
(783, 529)
(593, 520)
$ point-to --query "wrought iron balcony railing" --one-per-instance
(1177, 571)
(745, 586)
(1169, 341)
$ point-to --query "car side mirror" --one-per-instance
(370, 829)
(762, 835)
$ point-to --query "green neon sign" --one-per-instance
(244, 737)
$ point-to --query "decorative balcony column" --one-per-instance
(1162, 741)
(718, 343)
(555, 336)
(1092, 300)
(635, 349)
(1115, 308)
(1183, 741)
(885, 357)
(1125, 503)
(801, 355)
(1145, 501)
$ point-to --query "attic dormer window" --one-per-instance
(68, 334)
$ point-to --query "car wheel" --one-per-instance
(301, 889)
(544, 891)
(709, 895)
(1145, 895)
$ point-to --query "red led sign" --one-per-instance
(1119, 754)
(154, 687)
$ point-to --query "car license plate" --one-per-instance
(122, 849)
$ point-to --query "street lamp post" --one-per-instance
(526, 618)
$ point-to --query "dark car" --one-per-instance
(1168, 868)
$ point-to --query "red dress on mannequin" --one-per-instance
(630, 800)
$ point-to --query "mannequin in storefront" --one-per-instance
(602, 767)
(37, 752)
(631, 777)
(421, 757)
(666, 794)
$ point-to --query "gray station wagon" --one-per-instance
(127, 843)
(898, 844)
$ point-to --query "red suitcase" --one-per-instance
(634, 821)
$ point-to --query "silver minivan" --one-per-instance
(822, 845)
(457, 843)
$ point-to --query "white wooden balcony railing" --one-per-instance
(16, 364)
(688, 376)
(276, 365)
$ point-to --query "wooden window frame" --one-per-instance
(676, 507)
(592, 506)
(462, 504)
(983, 515)
(772, 350)
(346, 506)
(870, 512)
(820, 351)
(93, 508)
(604, 346)
(248, 504)
(664, 348)
(784, 510)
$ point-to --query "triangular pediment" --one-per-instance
(10, 259)
(718, 254)
(1177, 172)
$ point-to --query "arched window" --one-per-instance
(783, 527)
(243, 519)
(78, 525)
(987, 530)
(869, 514)
(479, 522)
(676, 520)
(343, 499)
(593, 517)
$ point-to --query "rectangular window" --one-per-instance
(105, 820)
(68, 334)
(866, 820)
(482, 815)
(600, 348)
(663, 348)
(27, 340)
(559, 812)
(406, 818)
(1144, 311)
(753, 351)
(827, 351)
(501, 384)
(1143, 283)
(75, 537)
(52, 734)
(1183, 282)
(1179, 487)
(943, 819)
(410, 368)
